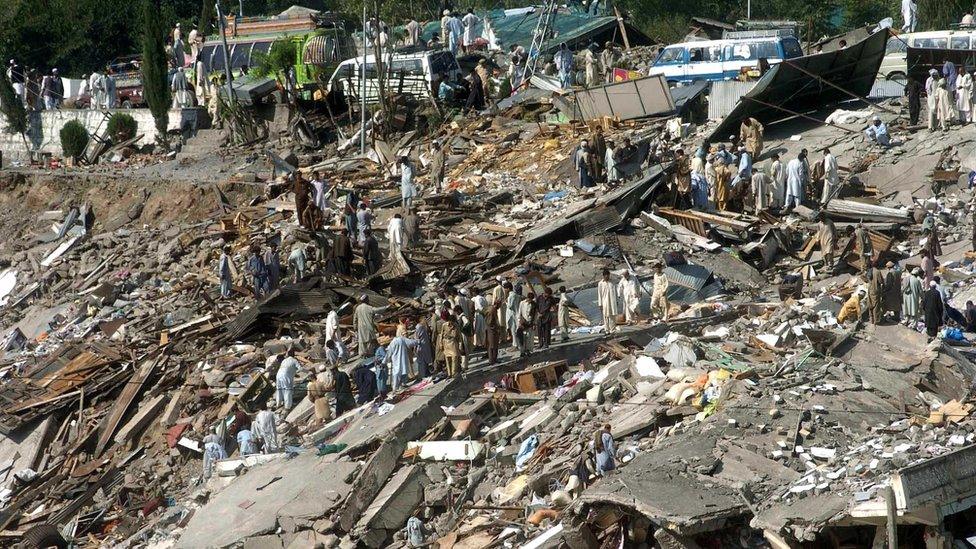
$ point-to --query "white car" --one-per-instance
(894, 66)
(416, 74)
(716, 60)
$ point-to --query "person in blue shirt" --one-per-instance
(878, 132)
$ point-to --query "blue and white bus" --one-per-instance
(716, 60)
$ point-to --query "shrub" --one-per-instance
(121, 126)
(74, 139)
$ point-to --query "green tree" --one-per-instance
(74, 139)
(155, 80)
(277, 61)
(206, 17)
(12, 108)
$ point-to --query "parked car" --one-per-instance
(416, 74)
(716, 60)
(894, 66)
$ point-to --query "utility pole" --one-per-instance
(362, 88)
(240, 4)
(227, 71)
(748, 9)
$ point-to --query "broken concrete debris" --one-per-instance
(225, 357)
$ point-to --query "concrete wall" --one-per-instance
(45, 128)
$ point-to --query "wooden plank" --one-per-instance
(491, 227)
(121, 405)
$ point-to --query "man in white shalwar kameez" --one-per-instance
(606, 296)
(499, 295)
(265, 428)
(778, 174)
(761, 190)
(831, 177)
(470, 20)
(659, 294)
(964, 96)
(909, 12)
(794, 183)
(398, 358)
(512, 302)
(213, 450)
(931, 85)
(285, 380)
(629, 296)
(944, 105)
(394, 234)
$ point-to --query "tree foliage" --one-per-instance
(121, 126)
(155, 81)
(12, 107)
(74, 139)
(277, 61)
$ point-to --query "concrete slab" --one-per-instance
(305, 487)
(392, 507)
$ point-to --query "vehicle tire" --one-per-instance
(126, 104)
(43, 536)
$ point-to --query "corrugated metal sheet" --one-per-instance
(798, 85)
(884, 89)
(626, 100)
(691, 284)
(724, 97)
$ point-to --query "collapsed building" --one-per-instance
(750, 418)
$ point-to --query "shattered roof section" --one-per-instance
(792, 86)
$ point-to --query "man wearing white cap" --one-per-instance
(878, 132)
(931, 84)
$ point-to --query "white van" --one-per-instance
(894, 66)
(716, 60)
(416, 74)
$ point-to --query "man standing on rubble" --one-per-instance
(913, 91)
(364, 221)
(493, 331)
(395, 236)
(795, 182)
(681, 185)
(258, 271)
(285, 380)
(876, 297)
(564, 64)
(911, 290)
(371, 254)
(629, 292)
(931, 87)
(909, 11)
(366, 332)
(892, 291)
(608, 61)
(944, 105)
(265, 428)
(592, 68)
(659, 294)
(224, 272)
(398, 358)
(723, 177)
(499, 297)
(342, 253)
(607, 300)
(761, 191)
(437, 166)
(778, 174)
(864, 247)
(272, 260)
(213, 450)
(424, 354)
(827, 235)
(928, 267)
(449, 343)
(181, 90)
(751, 135)
(565, 302)
(964, 95)
(831, 177)
(699, 183)
(408, 191)
(527, 324)
(934, 309)
(469, 21)
(512, 301)
(547, 313)
(585, 165)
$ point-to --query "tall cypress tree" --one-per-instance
(12, 108)
(155, 80)
(206, 17)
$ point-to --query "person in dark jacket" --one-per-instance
(365, 380)
(547, 314)
(476, 93)
(258, 271)
(342, 253)
(913, 90)
(933, 308)
(371, 253)
(343, 391)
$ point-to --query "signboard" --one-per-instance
(622, 75)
